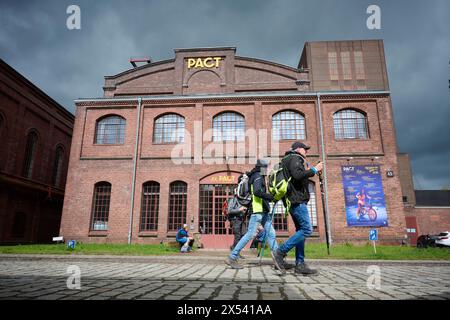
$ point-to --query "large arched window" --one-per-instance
(57, 166)
(169, 128)
(150, 206)
(100, 206)
(288, 125)
(30, 152)
(228, 126)
(110, 130)
(177, 205)
(350, 124)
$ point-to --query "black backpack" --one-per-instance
(242, 192)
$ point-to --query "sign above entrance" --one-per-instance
(208, 62)
(221, 178)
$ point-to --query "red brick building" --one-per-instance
(35, 132)
(426, 211)
(165, 144)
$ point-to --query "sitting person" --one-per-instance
(259, 238)
(184, 240)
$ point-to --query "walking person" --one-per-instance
(237, 216)
(299, 170)
(258, 211)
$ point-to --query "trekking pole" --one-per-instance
(261, 254)
(325, 213)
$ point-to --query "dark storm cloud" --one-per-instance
(71, 64)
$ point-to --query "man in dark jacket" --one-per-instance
(297, 198)
(236, 216)
(259, 212)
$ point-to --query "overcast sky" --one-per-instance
(69, 64)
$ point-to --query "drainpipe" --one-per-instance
(133, 185)
(327, 220)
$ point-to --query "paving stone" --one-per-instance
(46, 279)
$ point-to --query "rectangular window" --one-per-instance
(333, 65)
(177, 205)
(346, 66)
(359, 65)
(100, 207)
(150, 207)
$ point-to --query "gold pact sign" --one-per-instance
(209, 62)
(222, 179)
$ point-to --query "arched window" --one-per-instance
(228, 126)
(30, 152)
(169, 128)
(57, 166)
(288, 125)
(177, 205)
(110, 130)
(350, 124)
(100, 206)
(150, 206)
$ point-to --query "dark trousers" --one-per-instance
(239, 229)
(254, 244)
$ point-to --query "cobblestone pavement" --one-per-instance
(201, 278)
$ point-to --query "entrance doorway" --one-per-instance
(215, 190)
(216, 230)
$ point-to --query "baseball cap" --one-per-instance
(299, 144)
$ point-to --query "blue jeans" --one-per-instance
(300, 215)
(255, 219)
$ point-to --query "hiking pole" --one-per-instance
(261, 254)
(325, 213)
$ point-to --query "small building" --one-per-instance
(36, 133)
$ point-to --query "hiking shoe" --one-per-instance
(289, 265)
(278, 259)
(303, 269)
(233, 263)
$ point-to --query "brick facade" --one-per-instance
(252, 88)
(431, 220)
(30, 206)
(422, 217)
